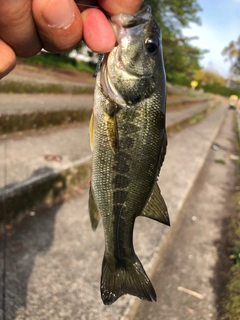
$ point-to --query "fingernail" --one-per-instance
(58, 14)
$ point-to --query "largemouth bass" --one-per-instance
(128, 138)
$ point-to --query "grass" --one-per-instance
(231, 302)
(199, 116)
(196, 118)
(192, 120)
(220, 161)
(21, 122)
(60, 61)
(192, 94)
(53, 61)
(21, 87)
(186, 101)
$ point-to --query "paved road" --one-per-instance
(195, 257)
(54, 259)
(24, 156)
(24, 159)
(30, 103)
(177, 116)
(47, 76)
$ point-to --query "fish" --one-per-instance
(128, 140)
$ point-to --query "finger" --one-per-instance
(120, 6)
(8, 59)
(17, 27)
(59, 24)
(97, 31)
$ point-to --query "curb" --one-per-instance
(50, 187)
(194, 118)
(13, 122)
(10, 123)
(24, 86)
(44, 189)
(27, 119)
(134, 303)
(187, 101)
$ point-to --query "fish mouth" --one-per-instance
(129, 26)
(132, 20)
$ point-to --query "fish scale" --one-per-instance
(128, 137)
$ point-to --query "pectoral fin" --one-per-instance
(91, 131)
(156, 208)
(94, 211)
(112, 131)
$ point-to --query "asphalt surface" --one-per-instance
(54, 259)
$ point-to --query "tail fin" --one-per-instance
(120, 278)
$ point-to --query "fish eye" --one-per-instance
(152, 44)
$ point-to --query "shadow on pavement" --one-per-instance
(33, 236)
(36, 173)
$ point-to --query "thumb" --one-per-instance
(58, 22)
(8, 59)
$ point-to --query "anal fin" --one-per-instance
(156, 208)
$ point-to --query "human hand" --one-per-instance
(27, 26)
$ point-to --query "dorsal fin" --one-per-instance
(91, 131)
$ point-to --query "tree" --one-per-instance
(172, 15)
(237, 66)
(209, 77)
(181, 58)
(232, 53)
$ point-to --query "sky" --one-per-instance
(220, 25)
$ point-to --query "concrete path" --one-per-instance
(30, 103)
(47, 76)
(190, 274)
(178, 116)
(25, 157)
(54, 259)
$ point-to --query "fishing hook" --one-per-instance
(4, 231)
